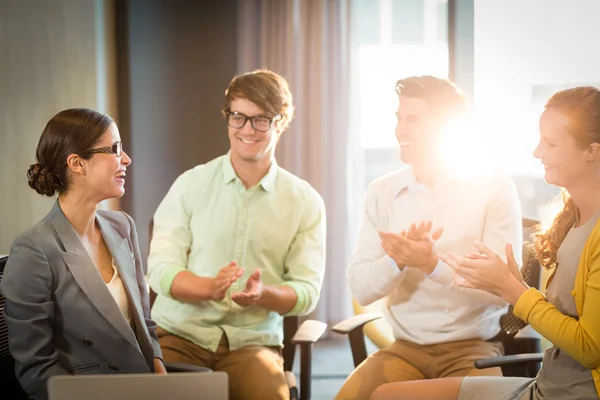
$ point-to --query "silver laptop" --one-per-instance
(180, 386)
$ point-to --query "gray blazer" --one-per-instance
(61, 317)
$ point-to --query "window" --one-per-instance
(396, 39)
(518, 69)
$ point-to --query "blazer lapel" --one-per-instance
(86, 274)
(123, 260)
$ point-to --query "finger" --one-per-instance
(239, 301)
(231, 276)
(476, 256)
(513, 266)
(238, 296)
(402, 240)
(420, 228)
(428, 226)
(403, 233)
(252, 296)
(448, 261)
(232, 269)
(412, 230)
(510, 256)
(485, 250)
(458, 260)
(383, 235)
(222, 286)
(256, 274)
(462, 282)
(245, 296)
(465, 273)
(437, 234)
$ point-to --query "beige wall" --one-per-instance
(54, 54)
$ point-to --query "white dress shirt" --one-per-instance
(432, 309)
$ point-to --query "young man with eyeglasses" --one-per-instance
(440, 329)
(238, 243)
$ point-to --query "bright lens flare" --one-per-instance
(463, 149)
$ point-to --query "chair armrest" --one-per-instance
(357, 321)
(309, 332)
(353, 327)
(182, 367)
(509, 360)
(527, 333)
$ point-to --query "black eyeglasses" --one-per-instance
(259, 122)
(115, 149)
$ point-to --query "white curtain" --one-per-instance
(307, 42)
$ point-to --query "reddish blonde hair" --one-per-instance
(582, 106)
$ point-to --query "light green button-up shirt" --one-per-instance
(208, 219)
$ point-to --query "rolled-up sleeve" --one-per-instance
(372, 274)
(305, 262)
(171, 237)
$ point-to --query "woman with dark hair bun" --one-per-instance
(76, 297)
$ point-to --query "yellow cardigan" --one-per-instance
(579, 338)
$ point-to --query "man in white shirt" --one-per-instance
(440, 328)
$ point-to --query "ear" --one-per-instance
(76, 164)
(593, 152)
(277, 131)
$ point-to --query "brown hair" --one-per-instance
(72, 131)
(268, 90)
(582, 106)
(445, 99)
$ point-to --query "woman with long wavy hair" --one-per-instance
(567, 314)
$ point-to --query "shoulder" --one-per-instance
(493, 185)
(388, 185)
(593, 245)
(38, 236)
(31, 237)
(28, 257)
(204, 171)
(297, 188)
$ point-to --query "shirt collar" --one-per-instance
(228, 171)
(267, 182)
(408, 181)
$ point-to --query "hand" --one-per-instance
(159, 367)
(224, 279)
(419, 252)
(485, 271)
(416, 232)
(459, 280)
(252, 293)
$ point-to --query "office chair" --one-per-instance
(522, 345)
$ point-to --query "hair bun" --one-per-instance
(42, 180)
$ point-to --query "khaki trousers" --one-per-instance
(406, 361)
(255, 372)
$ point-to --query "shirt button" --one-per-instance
(572, 292)
(596, 379)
